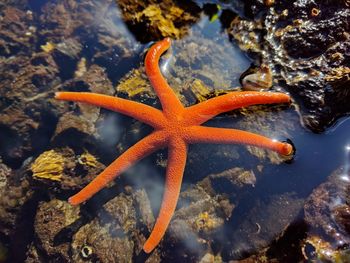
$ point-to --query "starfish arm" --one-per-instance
(135, 153)
(168, 99)
(141, 112)
(175, 169)
(200, 113)
(201, 134)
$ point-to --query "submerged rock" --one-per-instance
(135, 85)
(28, 111)
(62, 169)
(159, 20)
(317, 248)
(17, 31)
(265, 222)
(17, 202)
(32, 255)
(17, 194)
(51, 219)
(201, 214)
(113, 233)
(78, 126)
(107, 238)
(327, 210)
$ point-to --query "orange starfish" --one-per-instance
(175, 127)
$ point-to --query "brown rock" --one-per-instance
(327, 208)
(53, 217)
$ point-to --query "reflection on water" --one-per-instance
(231, 221)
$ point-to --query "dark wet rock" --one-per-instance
(306, 41)
(14, 3)
(122, 213)
(5, 173)
(51, 218)
(199, 72)
(62, 169)
(98, 239)
(200, 214)
(303, 42)
(113, 233)
(265, 221)
(229, 181)
(78, 128)
(61, 19)
(315, 248)
(17, 31)
(14, 195)
(28, 110)
(114, 227)
(285, 248)
(70, 48)
(66, 55)
(32, 255)
(342, 216)
(158, 20)
(17, 206)
(195, 73)
(261, 257)
(94, 24)
(327, 209)
(143, 208)
(79, 124)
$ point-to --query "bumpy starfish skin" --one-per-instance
(174, 127)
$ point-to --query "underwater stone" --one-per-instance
(51, 219)
(327, 208)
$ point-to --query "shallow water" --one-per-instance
(317, 155)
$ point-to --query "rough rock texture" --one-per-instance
(70, 234)
(62, 169)
(17, 203)
(16, 31)
(327, 209)
(45, 56)
(111, 229)
(306, 43)
(51, 219)
(77, 126)
(50, 149)
(195, 73)
(202, 213)
(40, 53)
(103, 38)
(267, 220)
(159, 19)
(12, 203)
(27, 106)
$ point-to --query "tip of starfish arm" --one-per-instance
(287, 149)
(73, 201)
(289, 99)
(167, 39)
(57, 95)
(147, 248)
(285, 98)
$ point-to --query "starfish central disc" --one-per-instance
(175, 127)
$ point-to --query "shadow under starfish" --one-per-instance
(174, 127)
